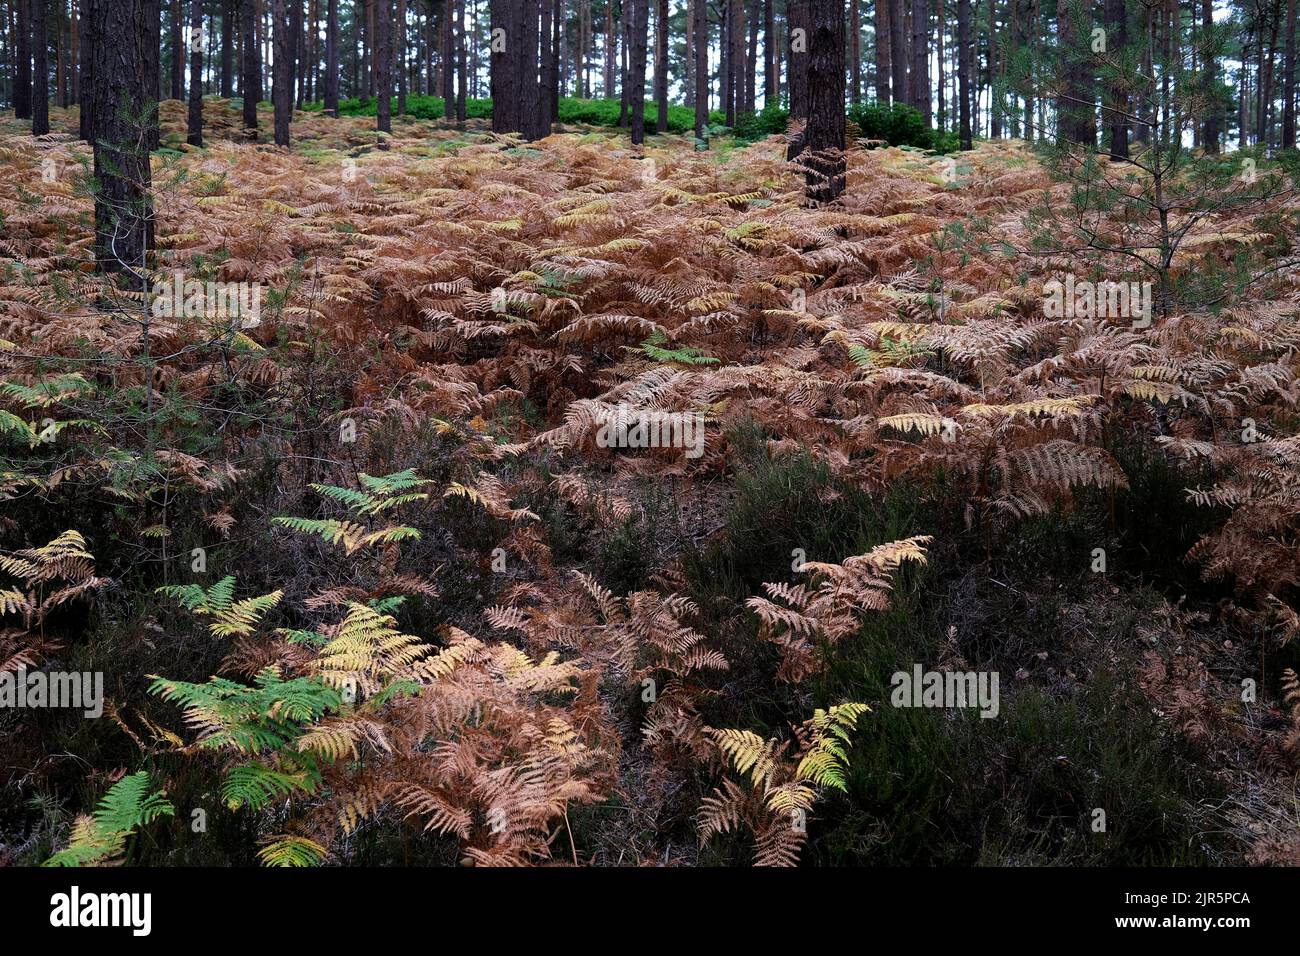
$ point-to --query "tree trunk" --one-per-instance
(23, 73)
(227, 49)
(640, 30)
(123, 95)
(40, 70)
(250, 78)
(751, 59)
(993, 74)
(881, 41)
(824, 133)
(383, 66)
(399, 56)
(462, 78)
(332, 58)
(770, 81)
(194, 128)
(1288, 82)
(282, 69)
(898, 51)
(86, 89)
(798, 60)
(965, 54)
(548, 62)
(1075, 108)
(1117, 114)
(445, 60)
(178, 47)
(920, 74)
(855, 51)
(700, 27)
(661, 68)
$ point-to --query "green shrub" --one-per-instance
(900, 125)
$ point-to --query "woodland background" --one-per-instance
(364, 586)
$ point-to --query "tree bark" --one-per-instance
(920, 74)
(1288, 83)
(640, 30)
(122, 103)
(40, 70)
(798, 68)
(194, 127)
(661, 68)
(86, 128)
(383, 66)
(282, 69)
(250, 79)
(700, 28)
(23, 72)
(1116, 41)
(882, 44)
(898, 51)
(178, 50)
(332, 59)
(824, 133)
(965, 54)
(227, 49)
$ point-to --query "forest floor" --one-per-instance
(872, 379)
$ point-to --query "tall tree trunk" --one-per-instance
(1288, 82)
(194, 128)
(227, 49)
(855, 50)
(770, 94)
(611, 48)
(882, 44)
(700, 27)
(298, 52)
(282, 69)
(625, 65)
(965, 54)
(123, 94)
(688, 59)
(736, 26)
(86, 127)
(661, 67)
(824, 133)
(898, 51)
(1116, 42)
(445, 59)
(383, 66)
(332, 58)
(920, 73)
(640, 31)
(995, 70)
(1076, 105)
(797, 23)
(462, 84)
(547, 62)
(178, 50)
(751, 58)
(940, 80)
(250, 74)
(23, 73)
(40, 70)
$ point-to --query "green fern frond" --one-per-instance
(128, 805)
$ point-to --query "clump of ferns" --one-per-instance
(49, 576)
(301, 715)
(783, 783)
(101, 837)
